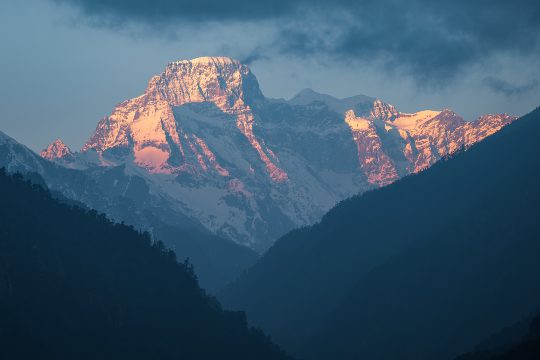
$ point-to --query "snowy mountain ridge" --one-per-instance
(211, 146)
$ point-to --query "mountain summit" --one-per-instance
(56, 150)
(210, 145)
(158, 142)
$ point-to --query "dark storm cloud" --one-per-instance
(151, 11)
(509, 89)
(431, 40)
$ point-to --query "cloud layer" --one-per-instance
(431, 40)
(509, 89)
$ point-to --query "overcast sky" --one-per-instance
(64, 64)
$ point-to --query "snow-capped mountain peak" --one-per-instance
(147, 127)
(221, 80)
(56, 150)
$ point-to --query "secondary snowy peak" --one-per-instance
(147, 128)
(383, 111)
(391, 144)
(56, 150)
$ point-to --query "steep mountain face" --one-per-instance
(74, 285)
(424, 268)
(147, 126)
(124, 195)
(211, 146)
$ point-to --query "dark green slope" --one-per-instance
(488, 192)
(74, 285)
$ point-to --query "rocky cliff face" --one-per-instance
(212, 147)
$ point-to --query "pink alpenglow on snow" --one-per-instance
(56, 150)
(147, 124)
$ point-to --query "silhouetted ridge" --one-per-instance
(526, 348)
(74, 285)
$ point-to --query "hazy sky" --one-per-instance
(64, 64)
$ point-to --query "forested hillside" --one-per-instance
(74, 285)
